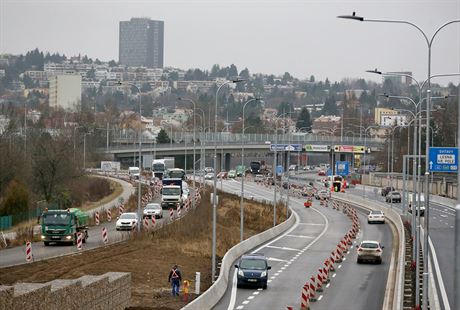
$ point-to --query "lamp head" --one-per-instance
(237, 79)
(375, 71)
(352, 16)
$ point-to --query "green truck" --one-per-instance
(62, 226)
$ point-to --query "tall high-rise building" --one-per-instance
(65, 92)
(141, 43)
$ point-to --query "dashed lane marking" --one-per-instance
(255, 293)
(313, 224)
(334, 275)
(329, 284)
(282, 248)
(340, 266)
(300, 236)
(320, 297)
(239, 307)
(251, 297)
(245, 302)
(276, 259)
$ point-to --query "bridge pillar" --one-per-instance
(218, 163)
(227, 161)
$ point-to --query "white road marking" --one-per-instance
(443, 215)
(255, 293)
(276, 259)
(251, 297)
(344, 259)
(329, 284)
(445, 300)
(276, 274)
(259, 289)
(272, 277)
(314, 224)
(282, 248)
(269, 281)
(340, 266)
(320, 297)
(245, 302)
(282, 268)
(300, 236)
(334, 275)
(239, 307)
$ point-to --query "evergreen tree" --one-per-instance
(163, 137)
(330, 107)
(304, 119)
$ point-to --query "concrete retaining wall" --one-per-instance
(210, 298)
(395, 283)
(108, 291)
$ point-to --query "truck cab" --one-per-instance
(134, 172)
(171, 193)
(62, 226)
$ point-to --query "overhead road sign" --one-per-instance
(342, 168)
(317, 148)
(443, 159)
(286, 147)
(349, 149)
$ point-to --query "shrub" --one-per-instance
(16, 199)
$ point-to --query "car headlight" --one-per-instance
(263, 274)
(43, 237)
(68, 237)
(241, 273)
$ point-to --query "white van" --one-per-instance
(134, 172)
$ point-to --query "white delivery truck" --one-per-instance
(134, 172)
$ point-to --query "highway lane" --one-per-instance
(296, 256)
(442, 236)
(363, 283)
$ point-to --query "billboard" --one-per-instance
(317, 148)
(349, 149)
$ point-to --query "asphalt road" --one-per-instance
(297, 255)
(442, 235)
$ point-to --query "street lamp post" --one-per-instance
(214, 198)
(139, 213)
(429, 42)
(242, 177)
(194, 143)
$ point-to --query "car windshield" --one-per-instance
(56, 219)
(128, 216)
(153, 206)
(369, 245)
(171, 191)
(256, 264)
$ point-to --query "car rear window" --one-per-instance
(376, 212)
(369, 245)
(257, 264)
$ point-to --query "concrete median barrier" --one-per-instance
(395, 284)
(212, 296)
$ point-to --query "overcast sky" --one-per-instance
(272, 36)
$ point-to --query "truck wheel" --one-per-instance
(46, 243)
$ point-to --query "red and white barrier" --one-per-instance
(153, 221)
(178, 210)
(171, 213)
(29, 256)
(319, 281)
(121, 209)
(109, 215)
(146, 223)
(305, 298)
(96, 216)
(312, 286)
(105, 238)
(79, 240)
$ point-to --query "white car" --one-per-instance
(127, 221)
(209, 176)
(376, 217)
(259, 178)
(370, 251)
(153, 210)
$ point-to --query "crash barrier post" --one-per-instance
(29, 256)
(96, 215)
(305, 298)
(104, 235)
(109, 215)
(79, 240)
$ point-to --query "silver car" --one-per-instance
(370, 251)
(376, 217)
(153, 210)
(127, 221)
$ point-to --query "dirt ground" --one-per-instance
(149, 256)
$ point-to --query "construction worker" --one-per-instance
(175, 279)
(185, 289)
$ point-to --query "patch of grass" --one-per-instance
(116, 188)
